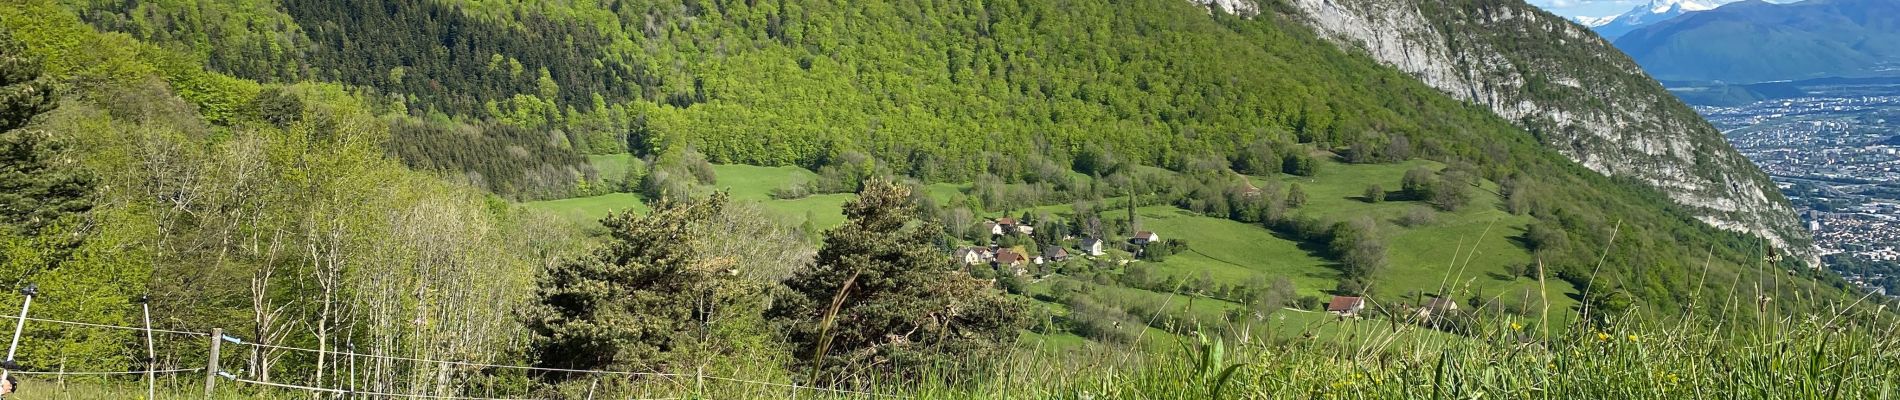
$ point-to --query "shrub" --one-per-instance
(1375, 193)
(1417, 217)
(793, 190)
(1418, 183)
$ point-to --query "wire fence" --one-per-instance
(350, 392)
(103, 373)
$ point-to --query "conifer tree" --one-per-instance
(37, 188)
(882, 298)
(650, 299)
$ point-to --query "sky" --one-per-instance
(1597, 8)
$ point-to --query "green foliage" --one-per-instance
(1375, 193)
(1419, 183)
(1297, 162)
(1545, 237)
(882, 298)
(1359, 248)
(278, 108)
(1295, 196)
(39, 184)
(649, 299)
(515, 162)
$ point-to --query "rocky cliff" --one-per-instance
(1571, 89)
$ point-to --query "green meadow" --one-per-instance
(744, 182)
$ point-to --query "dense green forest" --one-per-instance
(344, 175)
(996, 89)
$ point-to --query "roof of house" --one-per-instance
(1345, 303)
(1091, 242)
(1144, 234)
(1440, 303)
(1055, 251)
(1008, 256)
(1006, 221)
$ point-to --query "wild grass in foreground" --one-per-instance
(1810, 357)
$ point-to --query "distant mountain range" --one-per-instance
(1655, 11)
(1757, 41)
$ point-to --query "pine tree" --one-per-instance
(882, 298)
(648, 300)
(37, 188)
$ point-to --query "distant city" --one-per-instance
(1838, 160)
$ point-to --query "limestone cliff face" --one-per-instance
(1571, 89)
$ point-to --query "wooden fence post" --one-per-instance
(211, 365)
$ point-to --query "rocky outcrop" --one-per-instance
(1236, 7)
(1574, 91)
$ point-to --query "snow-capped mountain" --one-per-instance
(1656, 11)
(1594, 22)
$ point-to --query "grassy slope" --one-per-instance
(751, 183)
(612, 167)
(744, 182)
(1232, 252)
(586, 211)
(1421, 259)
(1466, 251)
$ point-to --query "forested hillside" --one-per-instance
(349, 175)
(997, 89)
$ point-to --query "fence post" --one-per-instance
(699, 380)
(151, 353)
(211, 366)
(29, 291)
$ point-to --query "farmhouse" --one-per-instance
(1006, 225)
(1144, 237)
(1010, 258)
(1437, 306)
(1055, 253)
(1346, 306)
(973, 255)
(1092, 247)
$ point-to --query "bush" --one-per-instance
(1375, 193)
(1295, 196)
(1417, 217)
(1418, 183)
(1450, 196)
(1297, 162)
(1359, 247)
(796, 189)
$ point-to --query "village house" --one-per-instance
(974, 255)
(1092, 247)
(1144, 237)
(1438, 306)
(994, 228)
(1007, 257)
(1006, 225)
(1346, 306)
(1055, 253)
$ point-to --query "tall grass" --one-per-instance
(1809, 357)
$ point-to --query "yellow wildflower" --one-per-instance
(1516, 327)
(1603, 337)
(1632, 338)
